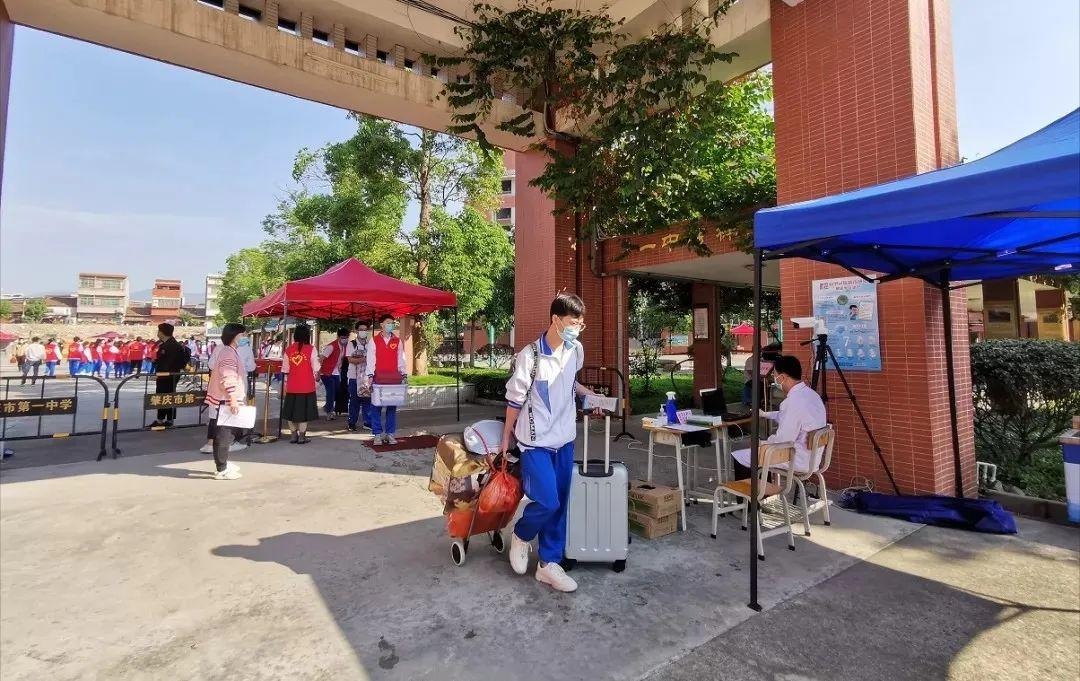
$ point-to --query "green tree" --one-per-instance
(350, 202)
(5, 309)
(249, 274)
(35, 310)
(186, 318)
(654, 141)
(655, 305)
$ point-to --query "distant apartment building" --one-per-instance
(213, 294)
(504, 214)
(101, 297)
(166, 300)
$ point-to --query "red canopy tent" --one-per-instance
(743, 329)
(349, 289)
(352, 290)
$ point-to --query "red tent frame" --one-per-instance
(352, 290)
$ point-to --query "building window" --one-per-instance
(86, 301)
(382, 56)
(410, 65)
(167, 302)
(435, 72)
(86, 282)
(353, 47)
(250, 13)
(507, 186)
(321, 37)
(504, 214)
(286, 26)
(112, 284)
(216, 4)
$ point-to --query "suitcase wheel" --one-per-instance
(497, 542)
(457, 552)
(619, 565)
(568, 564)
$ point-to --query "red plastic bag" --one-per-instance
(502, 492)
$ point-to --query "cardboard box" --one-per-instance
(651, 528)
(655, 501)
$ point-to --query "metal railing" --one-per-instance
(178, 390)
(29, 401)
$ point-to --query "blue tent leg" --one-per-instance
(755, 435)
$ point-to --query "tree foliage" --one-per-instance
(350, 201)
(5, 309)
(658, 143)
(1025, 394)
(35, 310)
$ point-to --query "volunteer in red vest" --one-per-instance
(333, 356)
(112, 356)
(74, 355)
(385, 365)
(96, 358)
(135, 356)
(52, 357)
(300, 365)
(86, 367)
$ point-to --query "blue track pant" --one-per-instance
(359, 405)
(545, 475)
(330, 383)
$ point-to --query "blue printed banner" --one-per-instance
(849, 307)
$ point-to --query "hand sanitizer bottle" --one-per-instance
(661, 417)
(670, 409)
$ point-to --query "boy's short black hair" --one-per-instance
(853, 305)
(384, 317)
(567, 305)
(343, 332)
(788, 365)
(35, 339)
(302, 334)
(166, 328)
(363, 322)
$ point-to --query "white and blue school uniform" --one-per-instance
(547, 445)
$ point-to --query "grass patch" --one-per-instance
(432, 379)
(647, 402)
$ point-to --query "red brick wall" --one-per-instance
(546, 264)
(864, 94)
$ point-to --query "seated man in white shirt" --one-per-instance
(801, 411)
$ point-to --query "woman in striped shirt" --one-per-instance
(227, 390)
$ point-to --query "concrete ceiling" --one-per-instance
(735, 269)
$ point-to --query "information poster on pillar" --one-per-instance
(849, 307)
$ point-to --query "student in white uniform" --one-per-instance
(801, 411)
(541, 416)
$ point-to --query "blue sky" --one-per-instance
(121, 164)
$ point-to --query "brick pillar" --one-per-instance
(338, 36)
(307, 25)
(546, 263)
(397, 55)
(371, 46)
(704, 350)
(7, 42)
(270, 13)
(864, 94)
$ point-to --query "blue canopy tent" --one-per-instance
(1015, 212)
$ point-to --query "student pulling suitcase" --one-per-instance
(543, 385)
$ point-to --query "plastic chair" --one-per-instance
(774, 454)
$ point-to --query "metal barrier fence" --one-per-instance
(28, 401)
(600, 380)
(172, 392)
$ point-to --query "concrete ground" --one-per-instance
(328, 562)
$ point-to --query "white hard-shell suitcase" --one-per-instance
(597, 524)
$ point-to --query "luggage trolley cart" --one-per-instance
(463, 524)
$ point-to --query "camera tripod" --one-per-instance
(822, 353)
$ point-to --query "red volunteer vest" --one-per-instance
(52, 353)
(332, 361)
(386, 354)
(301, 377)
(75, 350)
(135, 352)
(95, 353)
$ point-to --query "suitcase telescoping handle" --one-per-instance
(607, 445)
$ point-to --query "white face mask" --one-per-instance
(388, 327)
(362, 333)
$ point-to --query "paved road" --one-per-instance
(938, 604)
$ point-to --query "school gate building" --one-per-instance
(863, 94)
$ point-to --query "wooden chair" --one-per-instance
(820, 443)
(771, 456)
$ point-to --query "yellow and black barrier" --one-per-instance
(27, 401)
(182, 390)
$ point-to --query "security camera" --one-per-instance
(815, 323)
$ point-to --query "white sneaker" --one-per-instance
(384, 438)
(228, 474)
(390, 440)
(208, 448)
(553, 574)
(519, 554)
(237, 446)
